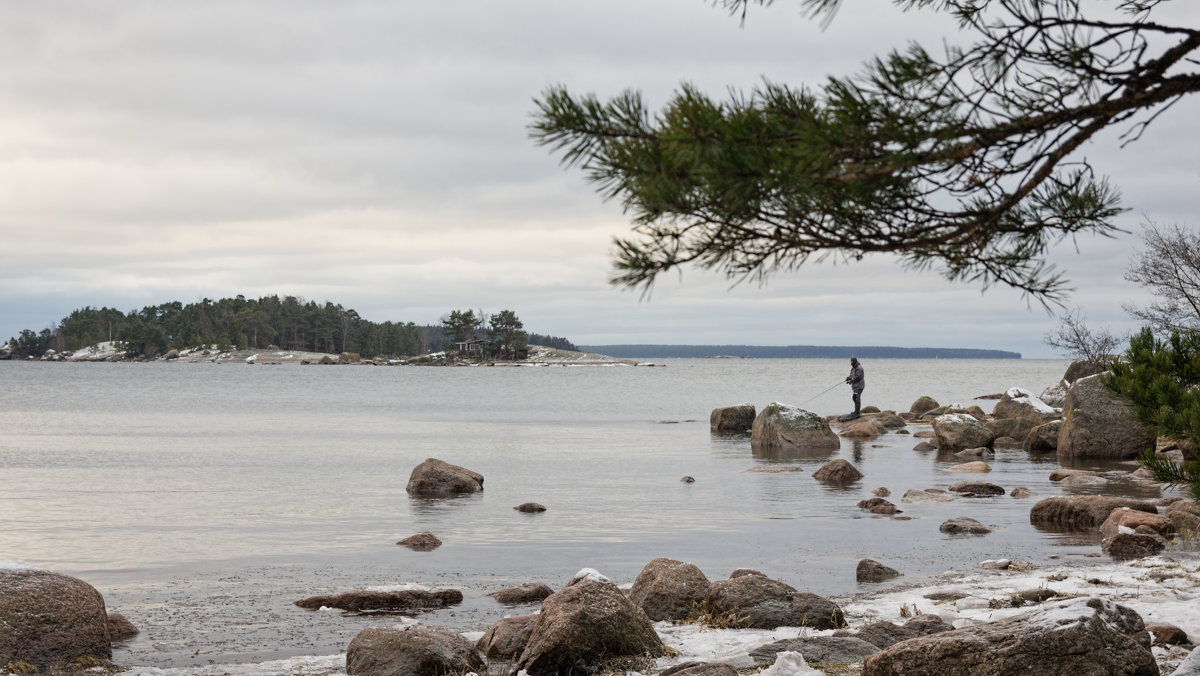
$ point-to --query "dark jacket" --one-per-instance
(857, 380)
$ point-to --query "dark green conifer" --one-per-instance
(1160, 379)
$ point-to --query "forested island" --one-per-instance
(794, 352)
(293, 324)
(287, 323)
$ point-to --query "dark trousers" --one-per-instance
(857, 400)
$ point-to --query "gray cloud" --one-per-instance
(376, 155)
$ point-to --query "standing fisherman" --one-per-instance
(857, 382)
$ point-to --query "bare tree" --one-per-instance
(1074, 338)
(1169, 268)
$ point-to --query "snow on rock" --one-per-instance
(408, 586)
(592, 576)
(790, 664)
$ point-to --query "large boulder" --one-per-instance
(418, 650)
(51, 621)
(923, 405)
(1023, 405)
(1123, 517)
(1016, 428)
(757, 602)
(1082, 511)
(583, 626)
(507, 638)
(1084, 369)
(1083, 636)
(1043, 437)
(438, 478)
(838, 471)
(732, 419)
(669, 590)
(1096, 424)
(780, 425)
(1184, 515)
(959, 431)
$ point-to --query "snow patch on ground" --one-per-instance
(99, 352)
(326, 665)
(1160, 589)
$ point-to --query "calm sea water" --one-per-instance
(202, 499)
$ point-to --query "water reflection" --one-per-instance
(789, 453)
(428, 506)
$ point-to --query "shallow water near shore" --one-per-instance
(202, 499)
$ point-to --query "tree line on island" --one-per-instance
(287, 323)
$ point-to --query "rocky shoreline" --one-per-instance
(1138, 614)
(538, 356)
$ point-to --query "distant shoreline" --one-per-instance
(642, 351)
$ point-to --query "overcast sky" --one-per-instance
(376, 155)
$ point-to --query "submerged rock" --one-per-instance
(925, 497)
(838, 471)
(530, 592)
(977, 466)
(379, 600)
(964, 525)
(976, 489)
(421, 542)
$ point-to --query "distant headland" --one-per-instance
(794, 352)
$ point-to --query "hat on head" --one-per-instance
(853, 360)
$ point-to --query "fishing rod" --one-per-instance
(822, 392)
